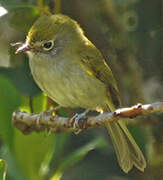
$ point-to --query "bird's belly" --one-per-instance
(71, 87)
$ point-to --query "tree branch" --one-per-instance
(28, 123)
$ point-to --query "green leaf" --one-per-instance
(9, 101)
(22, 79)
(59, 148)
(77, 156)
(29, 16)
(2, 169)
(12, 6)
(33, 152)
(36, 150)
(13, 172)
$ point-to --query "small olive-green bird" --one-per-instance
(72, 72)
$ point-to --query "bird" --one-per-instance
(68, 67)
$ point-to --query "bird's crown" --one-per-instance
(49, 26)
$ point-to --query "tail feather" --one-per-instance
(127, 151)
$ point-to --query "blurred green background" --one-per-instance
(129, 35)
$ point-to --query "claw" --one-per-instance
(79, 122)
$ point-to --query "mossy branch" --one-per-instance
(28, 123)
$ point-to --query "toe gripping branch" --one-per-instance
(28, 123)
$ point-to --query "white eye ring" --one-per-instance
(48, 45)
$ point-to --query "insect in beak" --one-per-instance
(23, 47)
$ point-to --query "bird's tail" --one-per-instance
(127, 151)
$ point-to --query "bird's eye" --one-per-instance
(48, 45)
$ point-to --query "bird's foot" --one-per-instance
(79, 122)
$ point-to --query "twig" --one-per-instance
(57, 6)
(28, 123)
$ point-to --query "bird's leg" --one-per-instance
(79, 121)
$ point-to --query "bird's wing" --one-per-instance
(94, 64)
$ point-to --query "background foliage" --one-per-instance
(128, 33)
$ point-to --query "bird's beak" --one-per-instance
(23, 47)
